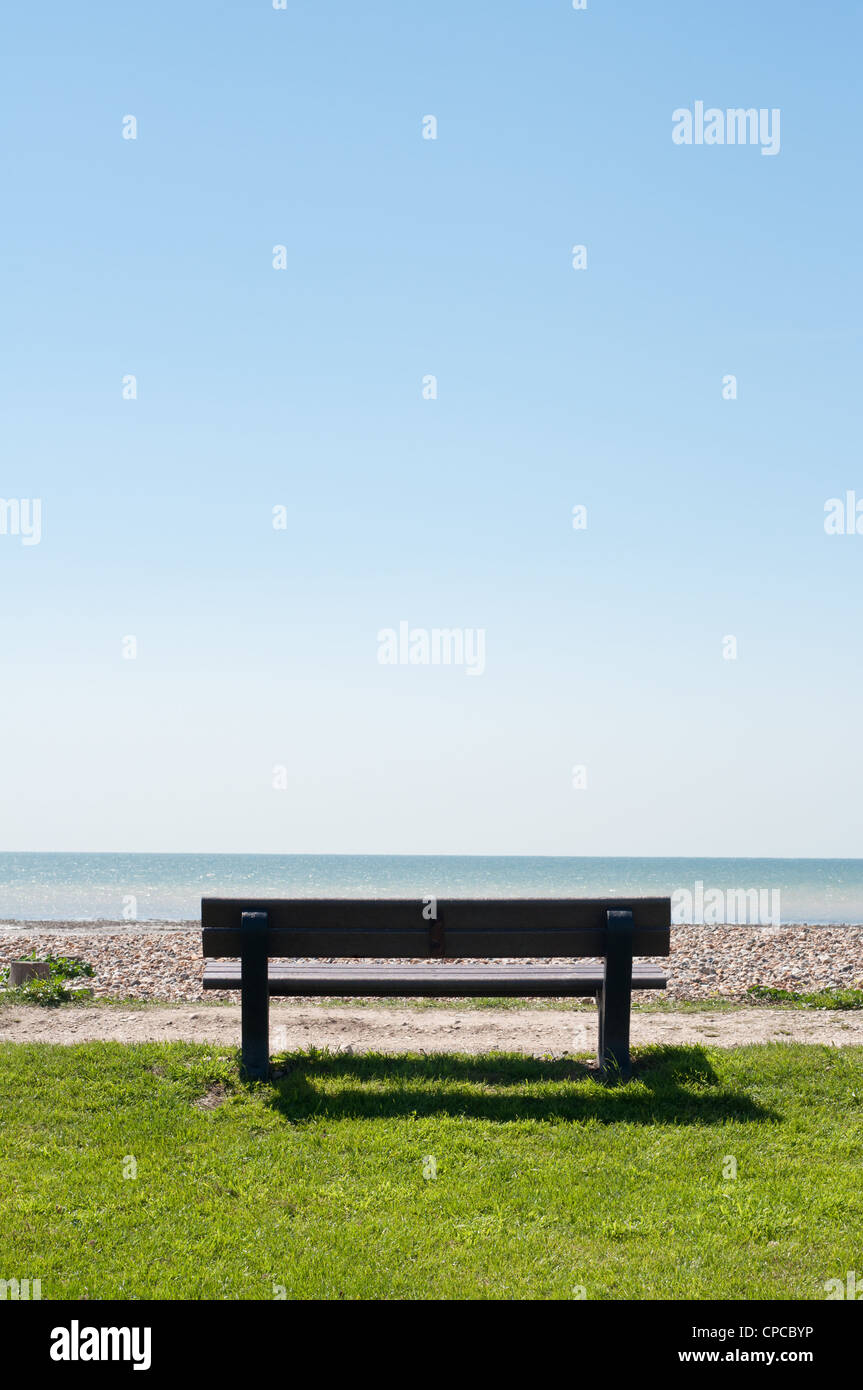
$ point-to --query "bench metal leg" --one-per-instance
(615, 1000)
(255, 995)
(600, 1019)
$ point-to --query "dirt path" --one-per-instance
(436, 1030)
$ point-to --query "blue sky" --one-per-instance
(302, 387)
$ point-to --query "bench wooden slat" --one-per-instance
(431, 981)
(394, 927)
(479, 945)
(406, 913)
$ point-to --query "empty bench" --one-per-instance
(383, 933)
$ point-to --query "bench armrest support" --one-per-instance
(255, 995)
(614, 1000)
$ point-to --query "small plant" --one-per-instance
(52, 990)
(63, 967)
(48, 991)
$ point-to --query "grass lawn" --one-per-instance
(320, 1182)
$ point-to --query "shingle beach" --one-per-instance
(163, 960)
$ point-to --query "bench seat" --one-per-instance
(432, 981)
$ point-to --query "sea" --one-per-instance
(169, 887)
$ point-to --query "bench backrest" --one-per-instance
(479, 928)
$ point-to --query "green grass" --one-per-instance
(547, 1177)
(815, 999)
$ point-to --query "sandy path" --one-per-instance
(437, 1030)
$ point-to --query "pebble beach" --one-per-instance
(162, 961)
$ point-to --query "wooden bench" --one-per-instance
(390, 930)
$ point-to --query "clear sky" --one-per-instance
(302, 387)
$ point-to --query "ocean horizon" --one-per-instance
(92, 887)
